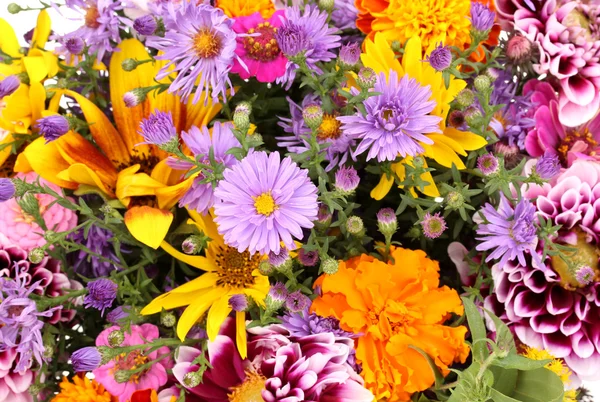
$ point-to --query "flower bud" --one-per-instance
(433, 225)
(193, 244)
(116, 338)
(135, 97)
(14, 8)
(129, 64)
(241, 116)
(122, 376)
(29, 204)
(519, 49)
(346, 180)
(387, 221)
(313, 116)
(308, 258)
(192, 379)
(35, 389)
(9, 85)
(547, 166)
(145, 25)
(349, 55)
(329, 266)
(440, 58)
(324, 216)
(238, 302)
(366, 78)
(36, 255)
(326, 5)
(456, 119)
(488, 164)
(465, 98)
(472, 115)
(455, 200)
(355, 225)
(414, 232)
(482, 83)
(167, 319)
(107, 354)
(265, 268)
(7, 189)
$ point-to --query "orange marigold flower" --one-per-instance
(394, 306)
(82, 389)
(434, 21)
(242, 8)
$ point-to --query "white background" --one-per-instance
(24, 21)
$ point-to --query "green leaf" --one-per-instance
(477, 328)
(539, 385)
(504, 338)
(505, 380)
(439, 378)
(514, 361)
(500, 397)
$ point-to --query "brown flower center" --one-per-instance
(235, 268)
(574, 137)
(329, 128)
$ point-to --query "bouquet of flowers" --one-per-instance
(318, 200)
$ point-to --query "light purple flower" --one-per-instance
(433, 225)
(52, 127)
(350, 54)
(238, 302)
(297, 301)
(440, 58)
(117, 314)
(278, 259)
(509, 232)
(70, 46)
(303, 323)
(308, 258)
(200, 196)
(548, 166)
(263, 201)
(309, 33)
(145, 25)
(387, 216)
(488, 164)
(346, 179)
(99, 241)
(158, 128)
(199, 44)
(9, 85)
(278, 292)
(344, 14)
(482, 18)
(102, 294)
(86, 359)
(395, 121)
(20, 323)
(7, 189)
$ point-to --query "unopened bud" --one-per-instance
(265, 268)
(135, 97)
(167, 319)
(455, 200)
(35, 389)
(355, 225)
(129, 64)
(482, 83)
(36, 255)
(116, 338)
(313, 116)
(192, 379)
(387, 221)
(241, 116)
(107, 354)
(472, 115)
(29, 204)
(14, 8)
(122, 376)
(326, 5)
(465, 98)
(329, 266)
(414, 232)
(193, 244)
(366, 78)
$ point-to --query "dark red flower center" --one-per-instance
(263, 47)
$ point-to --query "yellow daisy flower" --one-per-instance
(82, 389)
(446, 146)
(229, 273)
(242, 8)
(557, 366)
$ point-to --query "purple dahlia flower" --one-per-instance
(304, 323)
(102, 294)
(199, 45)
(263, 201)
(396, 120)
(200, 196)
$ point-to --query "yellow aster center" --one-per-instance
(207, 44)
(265, 204)
(250, 390)
(586, 255)
(235, 268)
(329, 128)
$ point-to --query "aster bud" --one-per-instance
(167, 319)
(265, 268)
(129, 64)
(488, 164)
(238, 302)
(414, 232)
(482, 83)
(456, 119)
(519, 49)
(349, 55)
(493, 73)
(116, 338)
(547, 166)
(122, 376)
(7, 189)
(308, 258)
(35, 389)
(346, 180)
(326, 5)
(472, 116)
(455, 200)
(355, 225)
(440, 58)
(136, 96)
(145, 25)
(158, 129)
(107, 354)
(433, 225)
(285, 268)
(9, 85)
(24, 78)
(192, 379)
(241, 116)
(36, 255)
(14, 8)
(194, 244)
(53, 127)
(29, 204)
(465, 98)
(329, 266)
(366, 78)
(313, 116)
(324, 216)
(387, 222)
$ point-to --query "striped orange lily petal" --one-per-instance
(128, 119)
(82, 174)
(148, 225)
(196, 261)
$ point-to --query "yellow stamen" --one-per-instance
(329, 128)
(250, 390)
(206, 44)
(265, 204)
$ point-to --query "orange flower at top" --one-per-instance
(242, 8)
(82, 389)
(394, 306)
(434, 21)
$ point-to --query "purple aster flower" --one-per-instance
(297, 301)
(99, 241)
(585, 275)
(488, 164)
(440, 58)
(264, 201)
(85, 359)
(52, 127)
(199, 45)
(7, 189)
(133, 98)
(346, 179)
(395, 121)
(433, 225)
(158, 129)
(508, 232)
(145, 25)
(278, 259)
(349, 55)
(387, 216)
(20, 323)
(308, 258)
(344, 14)
(9, 85)
(303, 323)
(548, 166)
(278, 292)
(238, 302)
(70, 46)
(200, 196)
(101, 26)
(102, 294)
(116, 315)
(482, 18)
(308, 33)
(330, 132)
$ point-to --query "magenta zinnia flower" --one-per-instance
(200, 141)
(509, 232)
(396, 120)
(200, 46)
(258, 47)
(263, 201)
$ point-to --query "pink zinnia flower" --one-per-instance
(152, 378)
(13, 386)
(22, 230)
(258, 47)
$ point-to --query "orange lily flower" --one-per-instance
(137, 175)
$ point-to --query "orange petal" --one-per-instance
(45, 160)
(148, 225)
(82, 174)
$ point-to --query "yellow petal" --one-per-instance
(411, 60)
(240, 334)
(37, 98)
(36, 68)
(133, 184)
(9, 43)
(45, 160)
(207, 280)
(41, 31)
(258, 295)
(449, 142)
(128, 119)
(383, 187)
(207, 225)
(216, 315)
(200, 114)
(148, 225)
(103, 132)
(168, 301)
(466, 139)
(196, 310)
(443, 154)
(196, 261)
(82, 174)
(5, 153)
